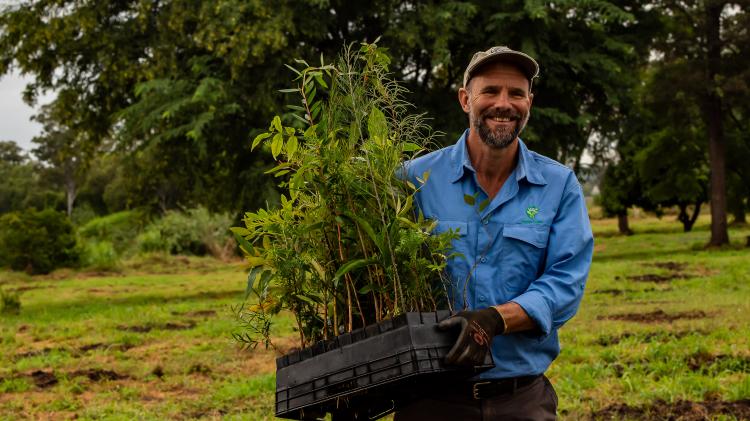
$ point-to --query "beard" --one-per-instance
(501, 137)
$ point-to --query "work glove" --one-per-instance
(478, 327)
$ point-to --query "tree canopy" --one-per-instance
(167, 94)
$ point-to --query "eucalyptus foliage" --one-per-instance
(346, 248)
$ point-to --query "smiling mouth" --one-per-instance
(501, 119)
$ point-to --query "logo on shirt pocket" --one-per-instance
(531, 213)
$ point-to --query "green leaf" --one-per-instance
(321, 82)
(245, 245)
(291, 146)
(241, 231)
(365, 289)
(319, 269)
(264, 282)
(276, 144)
(276, 123)
(288, 91)
(282, 166)
(255, 261)
(306, 299)
(407, 206)
(469, 199)
(251, 277)
(352, 265)
(410, 147)
(367, 228)
(377, 125)
(483, 204)
(259, 139)
(296, 108)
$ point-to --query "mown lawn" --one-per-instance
(663, 330)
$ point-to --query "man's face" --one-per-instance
(498, 102)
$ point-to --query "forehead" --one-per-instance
(502, 74)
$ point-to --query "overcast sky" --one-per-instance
(15, 115)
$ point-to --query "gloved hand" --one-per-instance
(478, 327)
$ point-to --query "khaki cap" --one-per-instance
(527, 64)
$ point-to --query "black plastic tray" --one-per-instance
(369, 372)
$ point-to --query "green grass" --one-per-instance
(152, 340)
(703, 356)
(161, 325)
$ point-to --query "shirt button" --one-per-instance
(481, 298)
(483, 260)
(486, 221)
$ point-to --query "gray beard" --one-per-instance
(502, 137)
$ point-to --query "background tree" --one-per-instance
(183, 84)
(21, 186)
(704, 37)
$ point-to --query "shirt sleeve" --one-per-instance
(554, 297)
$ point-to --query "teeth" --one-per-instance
(501, 119)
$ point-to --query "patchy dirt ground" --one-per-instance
(644, 337)
(677, 411)
(657, 316)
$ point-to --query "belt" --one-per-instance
(493, 387)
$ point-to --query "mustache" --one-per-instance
(502, 114)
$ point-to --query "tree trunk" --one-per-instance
(623, 225)
(688, 220)
(717, 147)
(70, 191)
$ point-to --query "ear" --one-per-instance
(463, 99)
(531, 99)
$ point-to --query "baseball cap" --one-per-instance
(527, 64)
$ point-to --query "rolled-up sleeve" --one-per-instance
(554, 297)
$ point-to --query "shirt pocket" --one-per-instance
(524, 248)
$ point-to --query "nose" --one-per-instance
(502, 101)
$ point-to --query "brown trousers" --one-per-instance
(534, 402)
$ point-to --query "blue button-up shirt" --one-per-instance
(531, 244)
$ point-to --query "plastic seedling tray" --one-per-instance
(369, 372)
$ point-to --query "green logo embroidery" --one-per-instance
(531, 211)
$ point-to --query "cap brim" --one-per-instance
(526, 64)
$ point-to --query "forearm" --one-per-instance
(515, 317)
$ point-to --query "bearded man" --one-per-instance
(524, 241)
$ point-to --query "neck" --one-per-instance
(492, 165)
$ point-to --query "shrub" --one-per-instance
(37, 241)
(196, 231)
(119, 229)
(99, 255)
(10, 302)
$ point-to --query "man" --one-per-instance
(525, 241)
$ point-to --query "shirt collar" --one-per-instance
(527, 167)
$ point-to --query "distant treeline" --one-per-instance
(158, 100)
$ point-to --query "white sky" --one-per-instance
(15, 115)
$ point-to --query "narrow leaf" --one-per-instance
(251, 276)
(291, 146)
(410, 147)
(352, 265)
(259, 139)
(377, 125)
(277, 144)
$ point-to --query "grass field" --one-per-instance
(662, 331)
